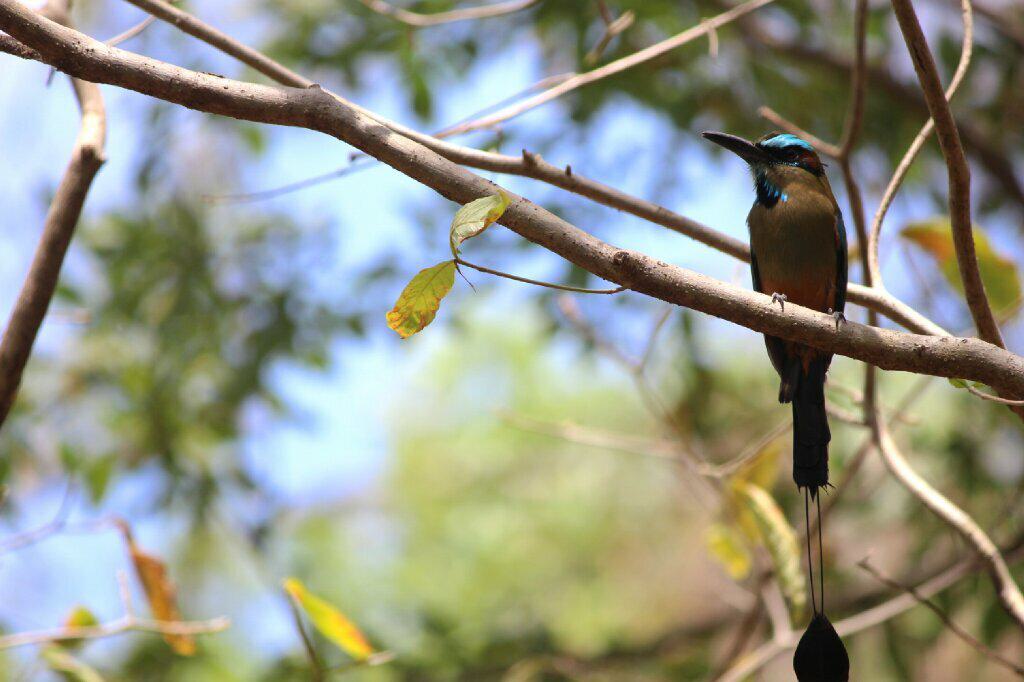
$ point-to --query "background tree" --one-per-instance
(553, 483)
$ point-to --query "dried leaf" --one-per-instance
(419, 301)
(331, 622)
(475, 217)
(998, 273)
(160, 593)
(779, 539)
(727, 545)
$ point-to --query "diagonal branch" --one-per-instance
(528, 165)
(418, 20)
(58, 228)
(314, 109)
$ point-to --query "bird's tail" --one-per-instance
(811, 435)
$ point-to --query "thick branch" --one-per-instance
(312, 108)
(61, 219)
(959, 171)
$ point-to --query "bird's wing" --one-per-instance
(776, 346)
(841, 265)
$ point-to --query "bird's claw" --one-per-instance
(780, 299)
(838, 316)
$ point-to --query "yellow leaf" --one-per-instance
(331, 622)
(419, 301)
(779, 539)
(475, 217)
(998, 273)
(160, 593)
(763, 468)
(726, 545)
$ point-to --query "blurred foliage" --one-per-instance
(487, 548)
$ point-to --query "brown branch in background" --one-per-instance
(418, 20)
(610, 69)
(967, 637)
(959, 171)
(1010, 26)
(65, 208)
(528, 165)
(1007, 591)
(51, 527)
(612, 28)
(312, 108)
(915, 147)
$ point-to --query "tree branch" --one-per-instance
(467, 14)
(528, 165)
(314, 109)
(58, 228)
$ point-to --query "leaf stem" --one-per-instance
(526, 280)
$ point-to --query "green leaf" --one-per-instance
(475, 217)
(998, 273)
(329, 621)
(958, 383)
(779, 539)
(97, 477)
(79, 617)
(60, 660)
(727, 545)
(419, 301)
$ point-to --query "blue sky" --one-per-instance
(339, 443)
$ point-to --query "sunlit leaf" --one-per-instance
(60, 660)
(419, 301)
(779, 539)
(79, 617)
(763, 468)
(160, 593)
(727, 545)
(329, 621)
(475, 217)
(999, 274)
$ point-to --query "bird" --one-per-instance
(798, 254)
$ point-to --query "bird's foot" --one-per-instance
(780, 299)
(838, 316)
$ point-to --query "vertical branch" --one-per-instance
(959, 171)
(915, 147)
(61, 219)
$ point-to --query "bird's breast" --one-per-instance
(795, 244)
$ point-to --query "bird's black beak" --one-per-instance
(744, 149)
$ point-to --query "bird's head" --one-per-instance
(774, 149)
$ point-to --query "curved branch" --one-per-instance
(915, 147)
(314, 109)
(65, 208)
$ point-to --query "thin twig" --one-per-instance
(316, 668)
(116, 627)
(967, 637)
(51, 527)
(418, 20)
(784, 124)
(548, 285)
(994, 398)
(41, 282)
(612, 68)
(612, 28)
(915, 147)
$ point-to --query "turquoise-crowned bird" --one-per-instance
(798, 254)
